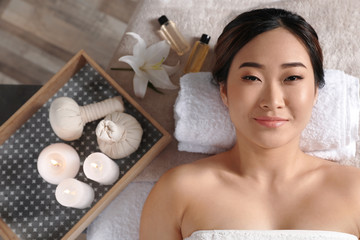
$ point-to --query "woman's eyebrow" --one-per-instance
(293, 64)
(251, 64)
(284, 65)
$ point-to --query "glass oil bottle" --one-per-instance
(198, 54)
(171, 34)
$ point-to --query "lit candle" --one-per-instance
(57, 162)
(73, 193)
(100, 168)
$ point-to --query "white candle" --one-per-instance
(73, 193)
(57, 162)
(100, 168)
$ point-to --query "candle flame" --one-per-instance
(55, 163)
(68, 191)
(94, 165)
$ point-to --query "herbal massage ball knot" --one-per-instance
(118, 135)
(68, 119)
(110, 132)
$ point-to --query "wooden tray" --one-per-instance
(27, 202)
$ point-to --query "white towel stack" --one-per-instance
(202, 120)
(203, 123)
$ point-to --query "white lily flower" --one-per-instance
(147, 64)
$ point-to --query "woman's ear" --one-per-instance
(223, 93)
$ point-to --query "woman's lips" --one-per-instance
(271, 122)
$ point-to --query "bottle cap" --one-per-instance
(163, 19)
(205, 38)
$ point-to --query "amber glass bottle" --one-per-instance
(198, 54)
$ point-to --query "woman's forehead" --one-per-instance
(275, 45)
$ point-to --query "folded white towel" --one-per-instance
(200, 116)
(203, 123)
(335, 117)
(344, 155)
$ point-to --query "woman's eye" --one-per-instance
(250, 78)
(293, 78)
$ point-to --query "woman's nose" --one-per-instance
(272, 97)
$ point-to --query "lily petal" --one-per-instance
(171, 69)
(147, 64)
(157, 52)
(140, 85)
(160, 79)
(140, 47)
(134, 62)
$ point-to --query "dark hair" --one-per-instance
(248, 25)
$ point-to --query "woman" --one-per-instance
(269, 68)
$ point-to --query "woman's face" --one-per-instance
(270, 90)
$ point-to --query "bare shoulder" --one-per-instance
(184, 178)
(164, 208)
(347, 173)
(343, 177)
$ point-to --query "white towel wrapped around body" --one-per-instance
(203, 123)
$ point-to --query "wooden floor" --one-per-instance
(37, 37)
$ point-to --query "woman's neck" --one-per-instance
(268, 164)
